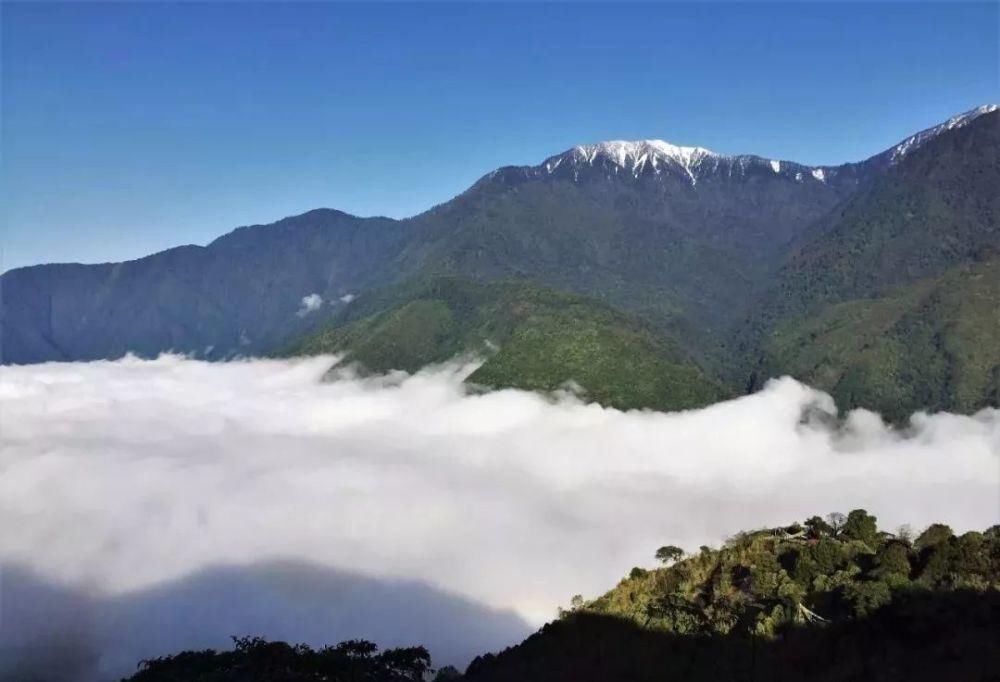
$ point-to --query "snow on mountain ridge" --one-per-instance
(621, 151)
(635, 156)
(914, 141)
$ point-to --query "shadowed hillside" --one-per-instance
(921, 637)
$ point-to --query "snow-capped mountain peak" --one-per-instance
(633, 157)
(915, 141)
(624, 152)
(645, 159)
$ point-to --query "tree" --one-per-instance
(828, 555)
(860, 525)
(669, 554)
(817, 527)
(835, 521)
(892, 564)
(935, 534)
(447, 674)
(865, 597)
(971, 558)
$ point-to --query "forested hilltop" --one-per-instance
(830, 599)
(528, 336)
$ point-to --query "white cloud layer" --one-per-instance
(149, 505)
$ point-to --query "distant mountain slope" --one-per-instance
(811, 602)
(937, 206)
(934, 344)
(532, 338)
(239, 294)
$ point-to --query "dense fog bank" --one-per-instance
(128, 487)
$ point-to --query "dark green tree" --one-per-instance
(817, 528)
(892, 564)
(860, 525)
(447, 674)
(935, 534)
(254, 658)
(669, 553)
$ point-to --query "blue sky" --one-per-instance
(130, 128)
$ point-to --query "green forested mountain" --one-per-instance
(933, 344)
(823, 600)
(532, 338)
(826, 600)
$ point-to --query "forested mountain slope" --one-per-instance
(686, 243)
(530, 337)
(911, 261)
(933, 344)
(813, 601)
(937, 207)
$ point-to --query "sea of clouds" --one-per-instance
(148, 506)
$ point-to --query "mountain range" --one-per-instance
(874, 280)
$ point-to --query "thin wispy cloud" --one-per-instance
(310, 304)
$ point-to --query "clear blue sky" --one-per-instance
(129, 128)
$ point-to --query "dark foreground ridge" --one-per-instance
(827, 600)
(920, 636)
(253, 658)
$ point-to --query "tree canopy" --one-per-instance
(669, 553)
(255, 659)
